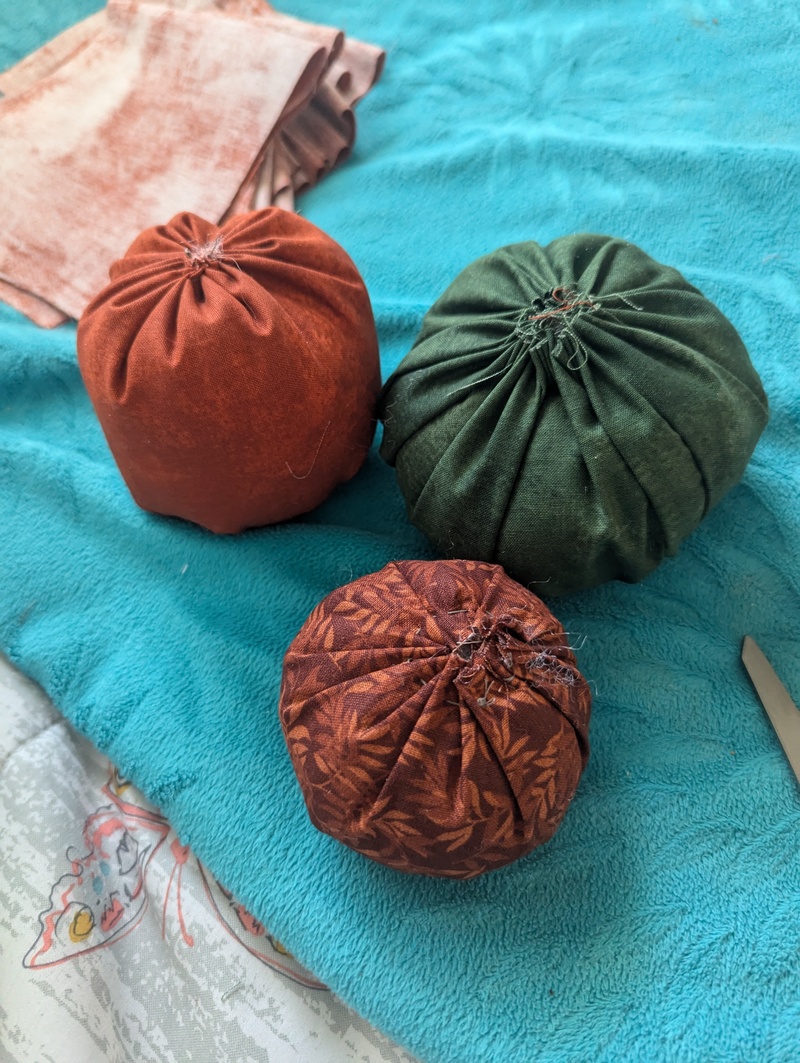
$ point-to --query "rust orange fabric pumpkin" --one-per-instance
(435, 717)
(234, 368)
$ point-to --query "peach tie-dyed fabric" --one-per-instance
(152, 107)
(436, 717)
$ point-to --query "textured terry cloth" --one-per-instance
(571, 412)
(661, 922)
(113, 934)
(215, 108)
(234, 369)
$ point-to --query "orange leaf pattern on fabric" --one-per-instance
(435, 717)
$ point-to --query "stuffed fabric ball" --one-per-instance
(234, 369)
(435, 717)
(571, 412)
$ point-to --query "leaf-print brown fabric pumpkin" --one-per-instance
(435, 717)
(234, 368)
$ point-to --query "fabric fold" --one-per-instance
(141, 116)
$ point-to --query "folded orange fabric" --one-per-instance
(234, 369)
(150, 107)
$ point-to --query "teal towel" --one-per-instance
(663, 920)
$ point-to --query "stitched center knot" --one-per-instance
(500, 649)
(486, 647)
(199, 256)
(548, 322)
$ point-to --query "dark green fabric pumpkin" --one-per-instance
(571, 412)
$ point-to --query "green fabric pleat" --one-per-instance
(571, 412)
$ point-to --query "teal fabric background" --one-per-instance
(663, 920)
